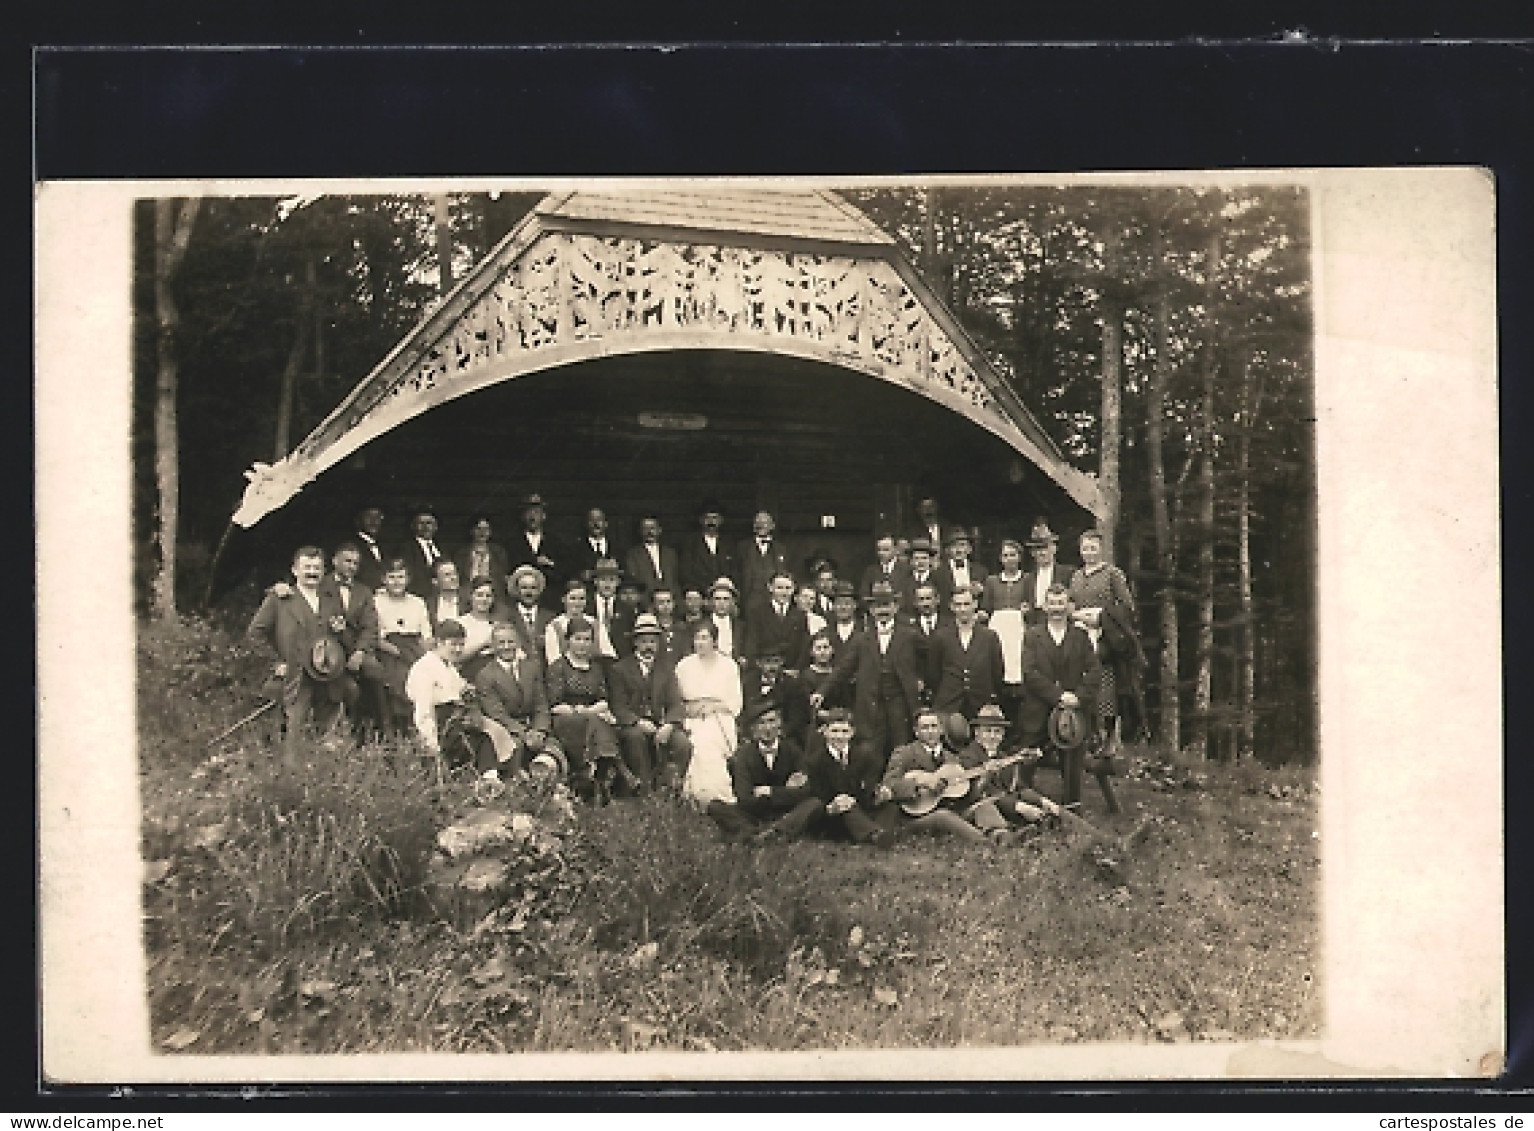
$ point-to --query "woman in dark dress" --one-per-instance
(582, 719)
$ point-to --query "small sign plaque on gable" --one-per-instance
(673, 421)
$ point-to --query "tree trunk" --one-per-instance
(288, 393)
(1112, 394)
(444, 242)
(1170, 730)
(172, 232)
(1203, 688)
(1247, 652)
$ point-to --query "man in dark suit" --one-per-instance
(594, 544)
(535, 546)
(1045, 573)
(528, 617)
(1060, 669)
(882, 669)
(928, 618)
(648, 562)
(922, 557)
(613, 622)
(421, 553)
(511, 692)
(843, 624)
(763, 680)
(761, 556)
(825, 589)
(359, 637)
(291, 621)
(844, 776)
(772, 791)
(705, 557)
(371, 555)
(673, 633)
(774, 621)
(964, 662)
(929, 522)
(647, 704)
(480, 557)
(891, 571)
(957, 571)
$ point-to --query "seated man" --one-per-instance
(772, 791)
(442, 701)
(291, 621)
(913, 767)
(1004, 788)
(511, 693)
(844, 776)
(360, 635)
(647, 705)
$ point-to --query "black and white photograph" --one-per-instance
(671, 618)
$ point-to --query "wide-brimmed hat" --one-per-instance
(757, 709)
(921, 543)
(532, 499)
(882, 593)
(1041, 535)
(766, 651)
(959, 534)
(606, 567)
(326, 660)
(1068, 728)
(845, 589)
(646, 624)
(723, 583)
(528, 571)
(991, 715)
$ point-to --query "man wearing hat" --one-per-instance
(762, 680)
(957, 571)
(647, 704)
(705, 557)
(881, 667)
(1060, 673)
(1046, 572)
(772, 790)
(843, 625)
(303, 626)
(1004, 788)
(922, 554)
(528, 617)
(612, 623)
(722, 596)
(534, 546)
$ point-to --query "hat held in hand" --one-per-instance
(1068, 728)
(326, 660)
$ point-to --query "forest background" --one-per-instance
(1163, 337)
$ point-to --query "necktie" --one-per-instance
(927, 625)
(346, 596)
(432, 551)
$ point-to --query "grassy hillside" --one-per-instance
(306, 914)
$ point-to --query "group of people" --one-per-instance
(921, 697)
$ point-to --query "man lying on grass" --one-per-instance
(441, 696)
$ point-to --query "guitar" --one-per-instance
(954, 784)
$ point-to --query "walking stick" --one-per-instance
(252, 717)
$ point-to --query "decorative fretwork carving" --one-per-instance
(567, 288)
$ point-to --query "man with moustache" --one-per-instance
(705, 557)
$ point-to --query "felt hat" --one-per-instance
(921, 543)
(758, 708)
(1042, 535)
(959, 534)
(956, 728)
(723, 583)
(845, 589)
(326, 660)
(991, 715)
(645, 624)
(579, 624)
(1068, 728)
(532, 499)
(882, 593)
(767, 650)
(606, 567)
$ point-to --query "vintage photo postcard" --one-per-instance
(943, 628)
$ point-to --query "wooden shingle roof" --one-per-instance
(796, 215)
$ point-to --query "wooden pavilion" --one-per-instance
(641, 350)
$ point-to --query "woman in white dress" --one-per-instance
(710, 687)
(477, 623)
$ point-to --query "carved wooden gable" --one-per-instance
(551, 296)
